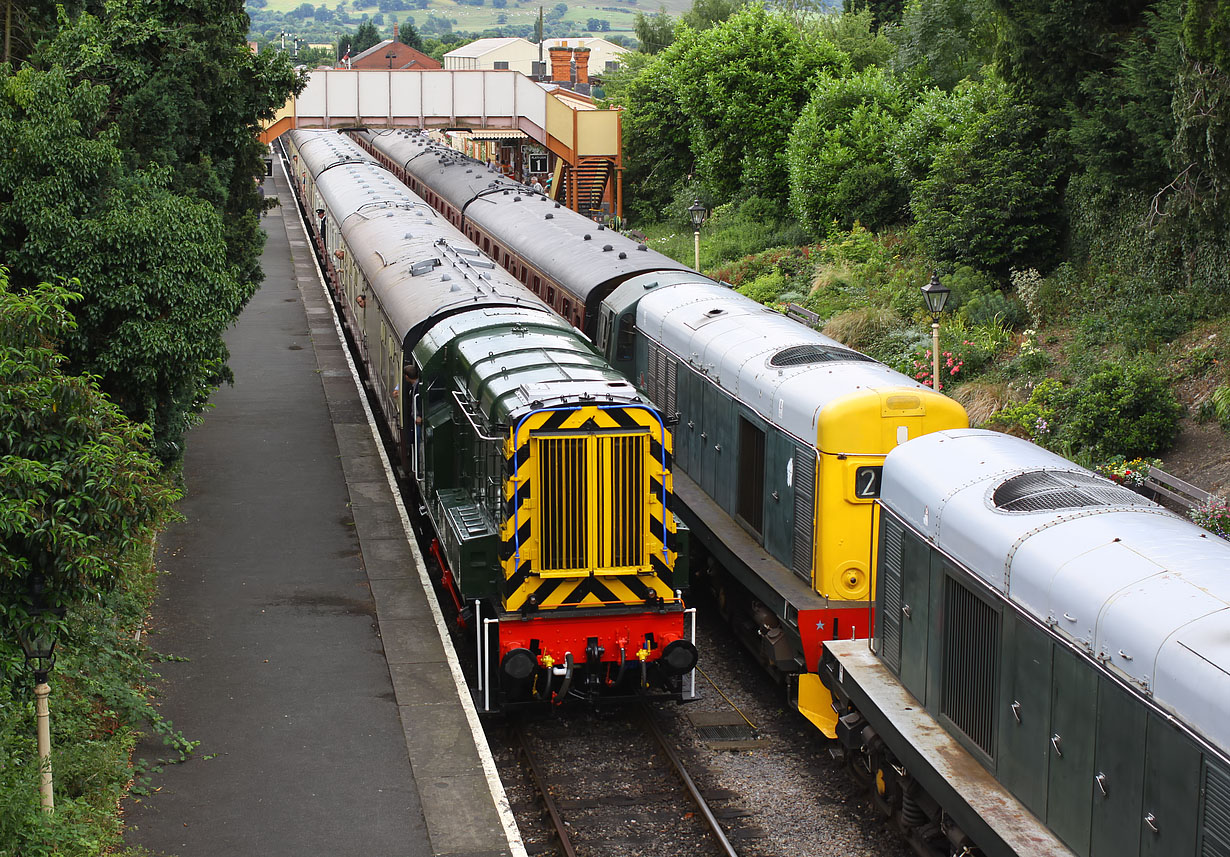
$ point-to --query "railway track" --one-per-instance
(612, 784)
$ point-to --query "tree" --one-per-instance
(883, 11)
(854, 35)
(1046, 48)
(78, 485)
(153, 170)
(943, 42)
(1121, 133)
(705, 13)
(741, 84)
(302, 12)
(840, 166)
(990, 198)
(654, 32)
(655, 131)
(158, 288)
(365, 37)
(407, 35)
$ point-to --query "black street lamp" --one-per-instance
(697, 212)
(936, 296)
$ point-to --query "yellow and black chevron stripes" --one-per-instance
(586, 508)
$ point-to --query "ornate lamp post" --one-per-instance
(697, 212)
(936, 296)
(38, 642)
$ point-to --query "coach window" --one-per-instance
(537, 285)
(567, 313)
(487, 246)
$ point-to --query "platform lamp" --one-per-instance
(936, 296)
(697, 212)
(38, 642)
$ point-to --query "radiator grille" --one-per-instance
(971, 652)
(592, 502)
(564, 502)
(661, 380)
(802, 355)
(621, 500)
(1046, 491)
(1215, 830)
(804, 510)
(890, 594)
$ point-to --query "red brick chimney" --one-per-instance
(394, 31)
(581, 55)
(561, 60)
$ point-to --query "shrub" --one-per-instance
(766, 288)
(991, 196)
(1128, 411)
(839, 165)
(1029, 359)
(1033, 418)
(993, 307)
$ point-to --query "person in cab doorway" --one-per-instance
(410, 384)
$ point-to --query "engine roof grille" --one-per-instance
(1042, 491)
(801, 355)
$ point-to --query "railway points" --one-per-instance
(309, 660)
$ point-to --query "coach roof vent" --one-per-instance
(803, 355)
(424, 266)
(1047, 491)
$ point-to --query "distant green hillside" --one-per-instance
(431, 18)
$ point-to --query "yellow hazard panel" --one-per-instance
(816, 704)
(586, 519)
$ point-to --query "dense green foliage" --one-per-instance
(716, 106)
(80, 499)
(79, 485)
(129, 159)
(1116, 411)
(841, 170)
(989, 197)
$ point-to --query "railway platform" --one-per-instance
(303, 648)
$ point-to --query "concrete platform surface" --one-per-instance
(306, 654)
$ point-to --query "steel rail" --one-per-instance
(548, 802)
(706, 812)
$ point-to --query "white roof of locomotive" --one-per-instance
(1136, 586)
(731, 339)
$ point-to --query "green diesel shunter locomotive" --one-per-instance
(545, 475)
